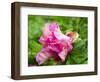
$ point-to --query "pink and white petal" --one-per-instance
(42, 56)
(53, 48)
(46, 30)
(69, 47)
(42, 40)
(53, 26)
(62, 37)
(63, 54)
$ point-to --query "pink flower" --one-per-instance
(55, 44)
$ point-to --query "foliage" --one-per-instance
(78, 24)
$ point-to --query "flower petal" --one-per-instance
(63, 54)
(43, 55)
(73, 35)
(46, 31)
(53, 26)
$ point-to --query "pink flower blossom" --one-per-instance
(55, 44)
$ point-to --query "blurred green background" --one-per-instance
(78, 24)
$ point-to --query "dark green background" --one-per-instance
(76, 24)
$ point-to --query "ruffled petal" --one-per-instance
(63, 54)
(42, 56)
